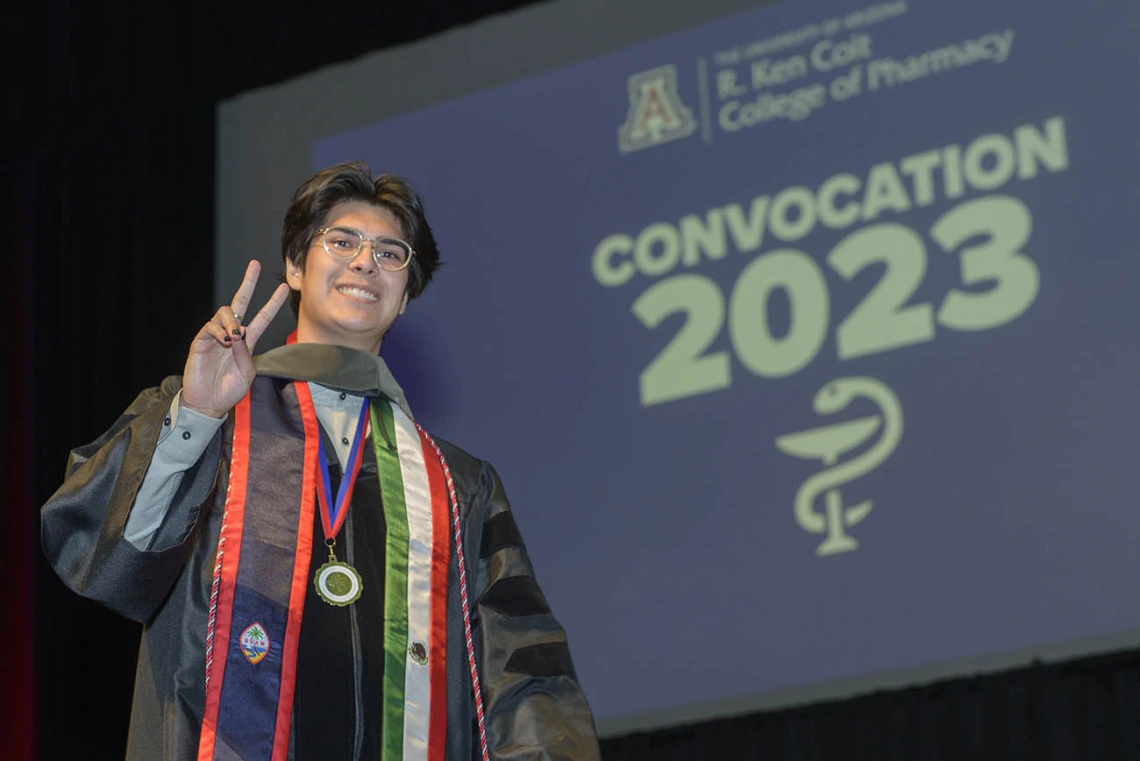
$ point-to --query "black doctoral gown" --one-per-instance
(534, 706)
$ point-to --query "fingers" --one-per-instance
(264, 317)
(242, 353)
(226, 327)
(226, 319)
(215, 331)
(240, 303)
(227, 330)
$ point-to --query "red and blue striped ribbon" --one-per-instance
(333, 512)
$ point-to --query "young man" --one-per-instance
(318, 578)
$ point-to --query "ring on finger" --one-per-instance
(237, 316)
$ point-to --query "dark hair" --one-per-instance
(353, 181)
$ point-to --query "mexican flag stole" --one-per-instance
(262, 575)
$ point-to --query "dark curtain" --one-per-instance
(108, 179)
(17, 517)
(1085, 709)
(122, 272)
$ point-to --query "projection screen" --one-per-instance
(803, 335)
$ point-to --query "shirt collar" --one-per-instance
(340, 368)
(331, 397)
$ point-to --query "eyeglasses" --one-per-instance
(344, 243)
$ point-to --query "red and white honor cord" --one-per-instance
(457, 530)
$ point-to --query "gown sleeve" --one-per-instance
(534, 706)
(82, 525)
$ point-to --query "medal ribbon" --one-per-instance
(333, 513)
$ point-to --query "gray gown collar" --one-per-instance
(339, 367)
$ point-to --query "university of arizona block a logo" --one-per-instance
(656, 113)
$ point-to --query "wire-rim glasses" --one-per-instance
(345, 243)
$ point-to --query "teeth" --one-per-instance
(358, 293)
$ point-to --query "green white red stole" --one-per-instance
(262, 575)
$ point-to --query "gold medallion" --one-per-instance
(338, 583)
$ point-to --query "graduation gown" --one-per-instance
(534, 708)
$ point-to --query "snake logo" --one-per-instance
(827, 443)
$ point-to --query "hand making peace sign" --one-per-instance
(219, 369)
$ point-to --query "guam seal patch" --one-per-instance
(254, 643)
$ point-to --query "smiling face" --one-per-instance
(349, 302)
